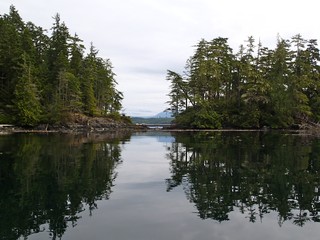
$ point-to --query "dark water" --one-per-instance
(150, 186)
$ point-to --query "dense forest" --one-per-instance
(253, 88)
(44, 78)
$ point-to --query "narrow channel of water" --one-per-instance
(158, 185)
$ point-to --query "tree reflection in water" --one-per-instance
(254, 173)
(49, 180)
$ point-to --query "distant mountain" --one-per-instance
(160, 118)
(163, 115)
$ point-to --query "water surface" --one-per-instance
(156, 185)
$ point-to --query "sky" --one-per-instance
(145, 38)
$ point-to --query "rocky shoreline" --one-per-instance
(79, 124)
(83, 124)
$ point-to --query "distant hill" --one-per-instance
(160, 118)
(163, 115)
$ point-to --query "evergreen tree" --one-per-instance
(256, 87)
(178, 94)
(109, 98)
(76, 59)
(27, 104)
(44, 78)
(11, 27)
(301, 78)
(58, 52)
(90, 70)
(281, 104)
(312, 70)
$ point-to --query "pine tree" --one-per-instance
(26, 100)
(108, 97)
(178, 98)
(58, 79)
(11, 27)
(312, 70)
(254, 88)
(90, 70)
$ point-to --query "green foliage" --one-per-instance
(126, 119)
(179, 95)
(43, 78)
(142, 120)
(244, 116)
(254, 88)
(26, 99)
(199, 117)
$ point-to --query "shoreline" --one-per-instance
(80, 129)
(101, 125)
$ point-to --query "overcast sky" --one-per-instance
(144, 38)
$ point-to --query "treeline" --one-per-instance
(153, 120)
(256, 87)
(44, 78)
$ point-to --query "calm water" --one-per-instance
(152, 186)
